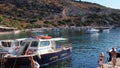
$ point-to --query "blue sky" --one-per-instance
(108, 3)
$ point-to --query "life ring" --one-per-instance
(29, 52)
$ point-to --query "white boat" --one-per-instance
(16, 31)
(92, 30)
(8, 30)
(56, 29)
(44, 51)
(36, 32)
(11, 45)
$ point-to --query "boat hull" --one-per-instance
(43, 61)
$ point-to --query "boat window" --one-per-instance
(17, 43)
(25, 43)
(6, 44)
(44, 43)
(34, 43)
(20, 42)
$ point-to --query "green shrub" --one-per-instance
(47, 22)
(1, 19)
(61, 22)
(45, 25)
(54, 25)
(33, 20)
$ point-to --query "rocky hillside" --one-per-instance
(53, 13)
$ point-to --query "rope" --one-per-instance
(14, 63)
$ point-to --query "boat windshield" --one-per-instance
(44, 43)
(34, 43)
(24, 43)
(17, 43)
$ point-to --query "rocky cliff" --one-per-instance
(52, 13)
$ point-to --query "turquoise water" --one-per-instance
(86, 47)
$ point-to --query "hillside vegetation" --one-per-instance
(54, 13)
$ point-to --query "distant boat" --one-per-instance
(78, 28)
(92, 30)
(36, 32)
(56, 29)
(43, 50)
(8, 30)
(16, 31)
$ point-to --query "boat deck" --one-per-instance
(109, 64)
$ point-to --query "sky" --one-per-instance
(108, 3)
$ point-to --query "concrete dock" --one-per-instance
(109, 64)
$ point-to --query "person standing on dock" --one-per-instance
(101, 60)
(113, 55)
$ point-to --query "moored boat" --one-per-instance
(44, 51)
(92, 30)
(36, 32)
(8, 30)
(11, 44)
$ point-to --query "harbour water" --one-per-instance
(86, 47)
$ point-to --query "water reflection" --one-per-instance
(14, 36)
(94, 36)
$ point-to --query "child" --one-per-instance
(101, 60)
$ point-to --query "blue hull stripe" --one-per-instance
(45, 59)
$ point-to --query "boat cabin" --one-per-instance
(43, 46)
(10, 45)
